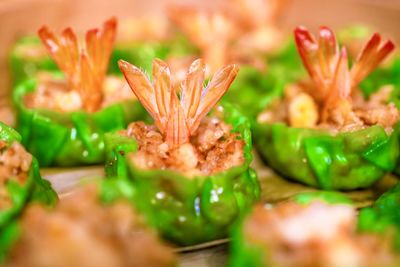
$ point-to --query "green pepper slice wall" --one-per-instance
(27, 57)
(142, 53)
(384, 216)
(69, 139)
(187, 210)
(253, 89)
(35, 189)
(347, 161)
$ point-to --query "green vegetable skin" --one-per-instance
(386, 209)
(139, 54)
(346, 161)
(35, 189)
(69, 139)
(384, 216)
(142, 53)
(389, 75)
(242, 252)
(186, 210)
(27, 57)
(253, 90)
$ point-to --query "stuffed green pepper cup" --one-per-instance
(324, 132)
(20, 177)
(190, 172)
(314, 233)
(20, 183)
(63, 120)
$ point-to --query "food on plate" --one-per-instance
(191, 171)
(62, 119)
(322, 131)
(20, 183)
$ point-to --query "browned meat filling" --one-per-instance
(213, 148)
(80, 232)
(298, 108)
(317, 235)
(14, 164)
(55, 95)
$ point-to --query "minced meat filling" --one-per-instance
(213, 148)
(299, 108)
(14, 164)
(82, 232)
(55, 95)
(317, 235)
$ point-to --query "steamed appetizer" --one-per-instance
(80, 231)
(20, 183)
(383, 216)
(191, 171)
(62, 119)
(309, 235)
(323, 132)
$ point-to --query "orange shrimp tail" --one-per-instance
(178, 118)
(84, 67)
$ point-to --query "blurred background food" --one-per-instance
(20, 17)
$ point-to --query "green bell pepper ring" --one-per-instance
(34, 189)
(383, 216)
(254, 89)
(27, 57)
(252, 84)
(139, 53)
(389, 75)
(142, 53)
(70, 139)
(346, 161)
(242, 252)
(186, 210)
(388, 204)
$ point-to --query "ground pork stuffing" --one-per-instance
(213, 148)
(316, 235)
(81, 232)
(14, 164)
(298, 108)
(55, 95)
